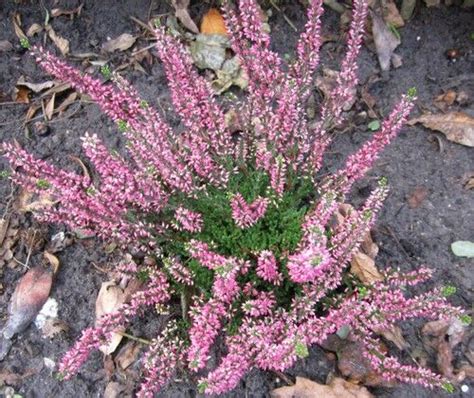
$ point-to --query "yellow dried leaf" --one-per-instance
(213, 23)
(337, 388)
(457, 126)
(364, 268)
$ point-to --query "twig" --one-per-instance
(142, 24)
(288, 20)
(140, 340)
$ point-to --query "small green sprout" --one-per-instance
(42, 184)
(465, 319)
(106, 72)
(143, 276)
(448, 290)
(411, 92)
(363, 291)
(122, 125)
(90, 191)
(301, 349)
(202, 387)
(448, 387)
(383, 182)
(144, 104)
(25, 43)
(4, 174)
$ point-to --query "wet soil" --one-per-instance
(407, 237)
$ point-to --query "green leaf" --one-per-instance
(374, 125)
(301, 349)
(448, 290)
(448, 387)
(463, 248)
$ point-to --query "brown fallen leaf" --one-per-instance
(52, 260)
(417, 196)
(394, 334)
(67, 102)
(53, 326)
(35, 87)
(127, 355)
(21, 95)
(30, 294)
(109, 299)
(120, 43)
(213, 23)
(49, 108)
(114, 390)
(34, 29)
(385, 41)
(17, 27)
(57, 12)
(447, 98)
(61, 43)
(364, 268)
(28, 201)
(456, 126)
(391, 15)
(181, 12)
(337, 388)
(444, 335)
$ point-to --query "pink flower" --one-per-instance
(245, 215)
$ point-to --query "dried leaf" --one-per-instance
(29, 201)
(337, 388)
(109, 299)
(21, 95)
(463, 248)
(53, 326)
(127, 355)
(213, 23)
(52, 260)
(61, 43)
(457, 126)
(181, 12)
(394, 334)
(417, 196)
(447, 98)
(17, 27)
(114, 390)
(57, 12)
(385, 41)
(120, 43)
(67, 102)
(364, 268)
(30, 294)
(391, 14)
(49, 109)
(35, 87)
(34, 29)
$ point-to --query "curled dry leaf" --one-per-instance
(53, 326)
(114, 390)
(364, 268)
(181, 12)
(21, 95)
(337, 388)
(30, 294)
(127, 355)
(61, 43)
(49, 108)
(17, 27)
(385, 41)
(35, 87)
(57, 12)
(34, 29)
(120, 43)
(52, 260)
(213, 23)
(456, 126)
(109, 299)
(391, 15)
(28, 201)
(394, 334)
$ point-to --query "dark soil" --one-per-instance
(408, 237)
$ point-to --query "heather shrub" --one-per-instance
(238, 221)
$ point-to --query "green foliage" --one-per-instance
(25, 43)
(448, 290)
(448, 387)
(42, 184)
(106, 72)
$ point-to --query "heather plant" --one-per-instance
(238, 222)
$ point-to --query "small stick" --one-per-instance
(140, 340)
(288, 20)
